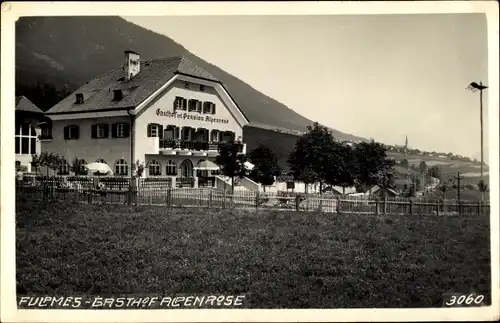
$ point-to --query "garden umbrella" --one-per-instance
(206, 165)
(249, 165)
(100, 168)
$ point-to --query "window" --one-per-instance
(209, 107)
(154, 130)
(154, 168)
(71, 132)
(186, 85)
(100, 131)
(79, 98)
(180, 103)
(202, 87)
(171, 169)
(46, 132)
(25, 139)
(169, 132)
(120, 130)
(63, 168)
(192, 105)
(198, 106)
(214, 135)
(100, 161)
(227, 136)
(121, 167)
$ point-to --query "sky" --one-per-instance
(375, 76)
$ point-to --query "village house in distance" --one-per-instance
(167, 113)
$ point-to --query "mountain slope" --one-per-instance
(68, 51)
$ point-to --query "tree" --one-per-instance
(341, 170)
(434, 171)
(309, 159)
(78, 166)
(422, 167)
(404, 163)
(265, 165)
(231, 161)
(36, 162)
(49, 160)
(385, 175)
(373, 167)
(482, 186)
(137, 169)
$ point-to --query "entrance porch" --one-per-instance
(183, 171)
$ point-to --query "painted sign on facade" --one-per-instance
(187, 116)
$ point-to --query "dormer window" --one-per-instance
(79, 98)
(117, 95)
(186, 85)
(202, 87)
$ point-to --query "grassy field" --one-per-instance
(280, 259)
(449, 168)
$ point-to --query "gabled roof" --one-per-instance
(98, 93)
(23, 104)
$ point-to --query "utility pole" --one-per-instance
(480, 87)
(458, 178)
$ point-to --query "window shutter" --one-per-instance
(77, 132)
(149, 130)
(184, 104)
(106, 131)
(176, 132)
(213, 108)
(66, 132)
(175, 104)
(93, 131)
(198, 106)
(160, 131)
(126, 130)
(114, 130)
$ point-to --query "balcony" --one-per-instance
(189, 147)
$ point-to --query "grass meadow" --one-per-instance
(279, 259)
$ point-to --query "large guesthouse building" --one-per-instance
(168, 113)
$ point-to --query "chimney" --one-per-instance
(132, 65)
(117, 95)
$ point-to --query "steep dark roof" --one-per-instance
(98, 93)
(23, 104)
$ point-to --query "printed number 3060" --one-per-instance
(465, 299)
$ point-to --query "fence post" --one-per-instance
(411, 207)
(169, 196)
(437, 207)
(224, 199)
(257, 199)
(337, 207)
(297, 202)
(210, 199)
(385, 204)
(376, 205)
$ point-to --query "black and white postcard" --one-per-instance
(249, 161)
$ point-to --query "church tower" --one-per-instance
(406, 146)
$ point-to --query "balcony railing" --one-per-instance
(189, 145)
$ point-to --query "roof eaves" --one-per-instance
(90, 111)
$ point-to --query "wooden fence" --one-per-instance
(159, 191)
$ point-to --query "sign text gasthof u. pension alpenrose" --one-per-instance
(188, 116)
